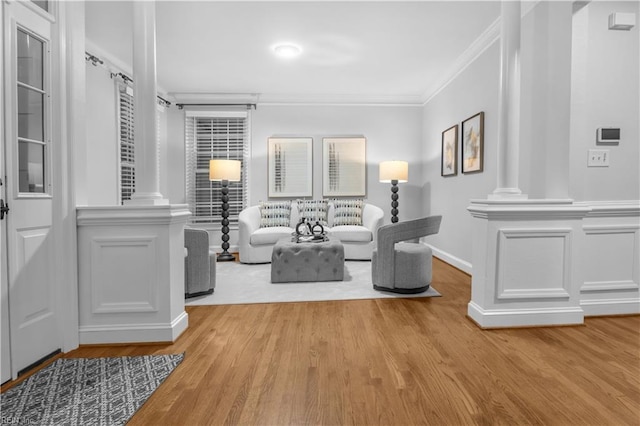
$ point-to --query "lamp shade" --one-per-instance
(394, 170)
(224, 170)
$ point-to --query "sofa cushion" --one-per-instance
(347, 212)
(313, 210)
(270, 235)
(275, 213)
(352, 233)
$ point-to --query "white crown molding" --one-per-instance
(475, 49)
(221, 98)
(339, 99)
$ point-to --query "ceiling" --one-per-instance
(352, 50)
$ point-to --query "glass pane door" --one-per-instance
(32, 97)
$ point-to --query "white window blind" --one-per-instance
(127, 155)
(215, 135)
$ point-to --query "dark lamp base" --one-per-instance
(225, 256)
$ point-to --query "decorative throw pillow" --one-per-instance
(313, 210)
(347, 212)
(275, 213)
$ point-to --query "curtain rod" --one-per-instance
(93, 58)
(128, 79)
(249, 106)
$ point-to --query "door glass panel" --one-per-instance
(31, 167)
(30, 54)
(44, 4)
(30, 114)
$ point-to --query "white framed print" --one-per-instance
(344, 167)
(290, 170)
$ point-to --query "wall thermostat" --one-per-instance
(608, 135)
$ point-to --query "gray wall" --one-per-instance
(474, 90)
(604, 92)
(391, 133)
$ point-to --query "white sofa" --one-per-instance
(256, 243)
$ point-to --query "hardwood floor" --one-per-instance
(391, 362)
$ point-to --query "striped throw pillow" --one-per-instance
(347, 212)
(313, 210)
(275, 213)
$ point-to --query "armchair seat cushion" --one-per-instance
(270, 235)
(352, 233)
(413, 265)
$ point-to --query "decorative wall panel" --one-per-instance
(533, 263)
(613, 254)
(122, 277)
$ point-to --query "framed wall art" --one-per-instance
(344, 167)
(473, 143)
(449, 155)
(290, 170)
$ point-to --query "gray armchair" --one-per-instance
(199, 264)
(406, 267)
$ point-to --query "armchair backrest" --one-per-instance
(389, 235)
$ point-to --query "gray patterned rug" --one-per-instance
(86, 391)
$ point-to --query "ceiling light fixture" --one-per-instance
(287, 50)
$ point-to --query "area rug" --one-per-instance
(87, 391)
(238, 283)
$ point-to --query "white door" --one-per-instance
(33, 319)
(5, 342)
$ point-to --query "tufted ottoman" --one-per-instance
(294, 262)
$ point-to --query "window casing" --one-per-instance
(215, 135)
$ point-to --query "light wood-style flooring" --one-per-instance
(391, 362)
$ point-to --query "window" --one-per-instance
(32, 113)
(44, 4)
(127, 154)
(215, 135)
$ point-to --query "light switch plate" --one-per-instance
(598, 158)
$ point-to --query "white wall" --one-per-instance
(102, 137)
(605, 93)
(474, 90)
(391, 133)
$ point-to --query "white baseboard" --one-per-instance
(134, 333)
(505, 318)
(463, 265)
(610, 307)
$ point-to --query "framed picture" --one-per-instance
(449, 158)
(344, 167)
(290, 171)
(473, 143)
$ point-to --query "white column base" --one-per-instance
(505, 318)
(507, 194)
(603, 307)
(134, 333)
(526, 263)
(131, 273)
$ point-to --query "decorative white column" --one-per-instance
(147, 189)
(527, 253)
(509, 104)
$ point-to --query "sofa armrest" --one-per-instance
(248, 223)
(372, 219)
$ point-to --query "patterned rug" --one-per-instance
(87, 391)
